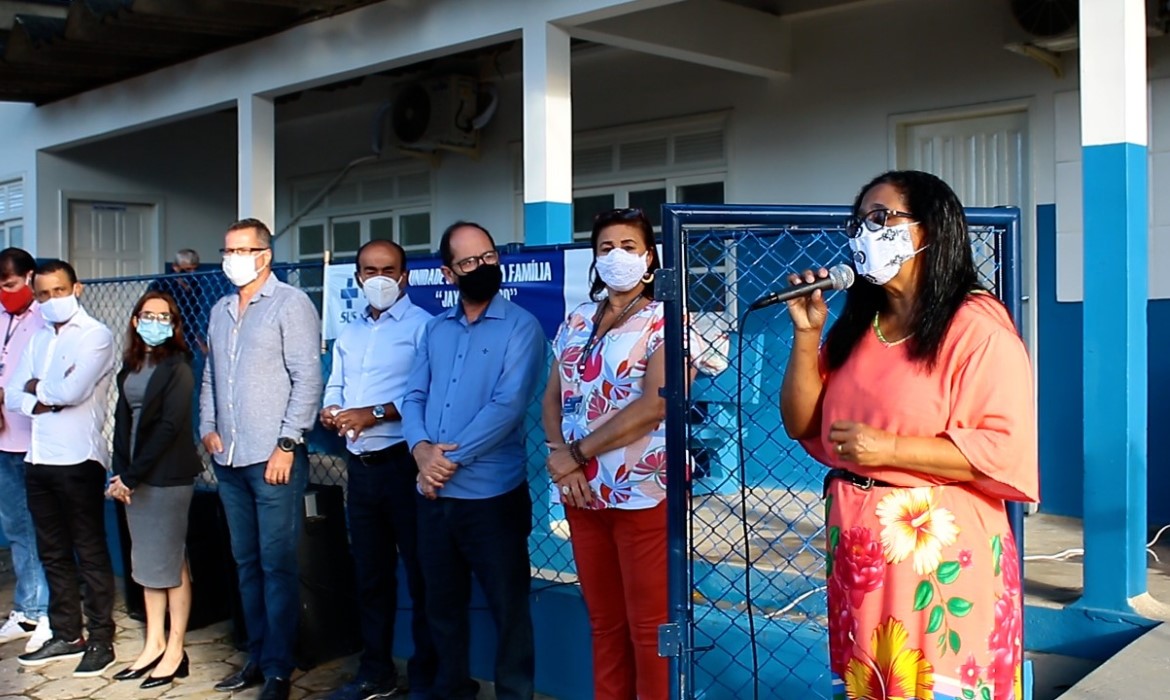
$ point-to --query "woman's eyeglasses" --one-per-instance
(873, 221)
(163, 318)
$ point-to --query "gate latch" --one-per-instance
(670, 640)
(666, 284)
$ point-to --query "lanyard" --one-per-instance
(11, 331)
(589, 344)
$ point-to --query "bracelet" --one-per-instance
(575, 453)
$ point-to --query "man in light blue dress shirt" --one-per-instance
(463, 417)
(372, 358)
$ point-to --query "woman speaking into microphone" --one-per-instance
(920, 403)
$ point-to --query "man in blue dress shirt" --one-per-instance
(372, 360)
(474, 377)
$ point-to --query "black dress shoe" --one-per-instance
(275, 689)
(130, 674)
(247, 677)
(181, 671)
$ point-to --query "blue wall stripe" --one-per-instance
(1061, 396)
(548, 223)
(1059, 381)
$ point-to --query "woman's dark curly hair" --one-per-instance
(946, 272)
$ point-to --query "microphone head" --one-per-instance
(842, 276)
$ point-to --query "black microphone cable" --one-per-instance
(843, 276)
(749, 604)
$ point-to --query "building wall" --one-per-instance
(812, 138)
(190, 166)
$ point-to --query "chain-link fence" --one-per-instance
(112, 301)
(749, 614)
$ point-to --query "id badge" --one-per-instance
(572, 405)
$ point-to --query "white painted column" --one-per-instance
(548, 136)
(256, 159)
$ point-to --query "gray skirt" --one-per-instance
(157, 518)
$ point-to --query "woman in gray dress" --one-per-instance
(155, 464)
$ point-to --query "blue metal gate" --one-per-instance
(746, 554)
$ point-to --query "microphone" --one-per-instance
(840, 277)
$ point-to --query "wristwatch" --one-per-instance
(380, 412)
(287, 444)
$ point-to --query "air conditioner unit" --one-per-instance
(439, 113)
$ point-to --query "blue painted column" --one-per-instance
(548, 136)
(1113, 135)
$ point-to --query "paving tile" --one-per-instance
(329, 676)
(17, 679)
(126, 690)
(68, 688)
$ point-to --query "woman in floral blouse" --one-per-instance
(920, 403)
(603, 421)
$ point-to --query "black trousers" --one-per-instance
(68, 510)
(383, 524)
(487, 537)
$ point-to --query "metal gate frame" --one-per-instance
(677, 637)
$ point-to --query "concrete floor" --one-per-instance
(212, 658)
(1051, 583)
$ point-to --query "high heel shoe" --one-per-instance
(133, 674)
(181, 671)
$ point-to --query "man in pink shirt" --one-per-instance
(20, 318)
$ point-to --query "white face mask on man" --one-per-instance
(240, 269)
(381, 291)
(59, 309)
(879, 255)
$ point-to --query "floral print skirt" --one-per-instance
(924, 594)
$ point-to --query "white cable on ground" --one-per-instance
(1080, 551)
(784, 610)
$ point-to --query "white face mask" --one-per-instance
(878, 255)
(240, 269)
(59, 309)
(622, 270)
(381, 292)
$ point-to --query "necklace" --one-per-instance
(593, 336)
(877, 329)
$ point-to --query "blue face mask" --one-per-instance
(154, 333)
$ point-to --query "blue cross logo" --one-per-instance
(350, 293)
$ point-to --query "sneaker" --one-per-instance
(367, 690)
(17, 626)
(98, 658)
(41, 634)
(53, 650)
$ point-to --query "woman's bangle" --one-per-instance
(575, 453)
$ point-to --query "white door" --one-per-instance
(112, 239)
(985, 160)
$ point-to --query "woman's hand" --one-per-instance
(808, 312)
(559, 462)
(118, 491)
(862, 444)
(574, 488)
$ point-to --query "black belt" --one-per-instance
(397, 450)
(862, 482)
